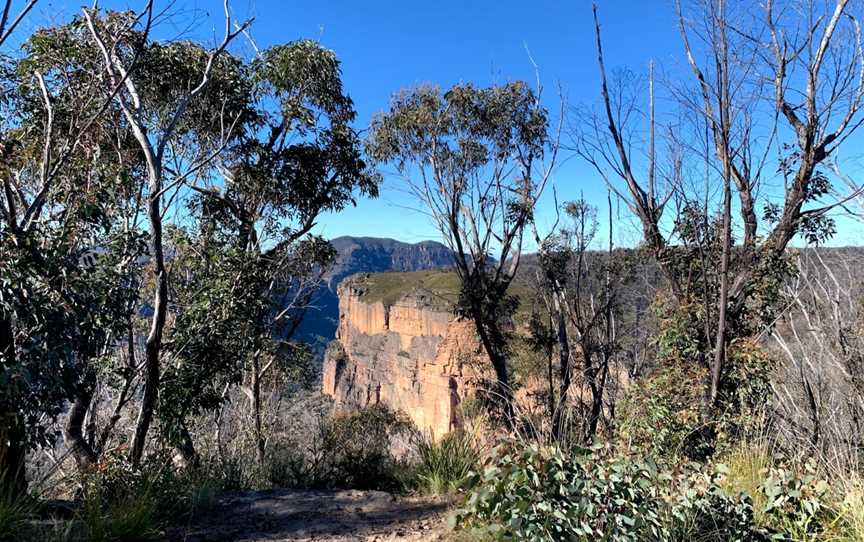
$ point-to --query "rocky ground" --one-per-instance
(330, 516)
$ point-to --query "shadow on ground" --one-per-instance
(318, 515)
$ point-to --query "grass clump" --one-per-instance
(16, 513)
(747, 466)
(134, 517)
(444, 465)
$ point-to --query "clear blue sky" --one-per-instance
(385, 45)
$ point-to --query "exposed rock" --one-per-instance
(411, 355)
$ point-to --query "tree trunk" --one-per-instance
(490, 338)
(564, 389)
(187, 448)
(256, 407)
(598, 389)
(596, 411)
(13, 444)
(153, 347)
(720, 341)
(73, 432)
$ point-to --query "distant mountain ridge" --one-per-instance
(364, 255)
(378, 254)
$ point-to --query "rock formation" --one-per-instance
(364, 255)
(411, 354)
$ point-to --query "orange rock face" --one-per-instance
(408, 356)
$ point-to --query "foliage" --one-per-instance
(664, 424)
(796, 502)
(701, 509)
(541, 493)
(67, 302)
(745, 384)
(672, 424)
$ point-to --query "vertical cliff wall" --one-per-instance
(410, 354)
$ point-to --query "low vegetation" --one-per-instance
(440, 288)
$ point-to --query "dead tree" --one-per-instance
(815, 69)
(584, 286)
(820, 393)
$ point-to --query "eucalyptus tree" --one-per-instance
(294, 157)
(180, 108)
(66, 266)
(474, 158)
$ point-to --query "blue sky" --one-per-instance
(385, 45)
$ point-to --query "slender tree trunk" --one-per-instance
(720, 339)
(13, 444)
(598, 388)
(550, 380)
(187, 448)
(13, 449)
(490, 338)
(153, 347)
(256, 407)
(596, 411)
(564, 359)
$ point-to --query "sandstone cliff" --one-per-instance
(406, 352)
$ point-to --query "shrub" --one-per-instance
(662, 424)
(442, 466)
(745, 384)
(350, 450)
(796, 503)
(541, 493)
(700, 509)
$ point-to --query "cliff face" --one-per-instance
(408, 355)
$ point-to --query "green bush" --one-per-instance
(797, 503)
(442, 466)
(541, 493)
(665, 425)
(700, 509)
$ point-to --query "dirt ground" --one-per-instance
(330, 516)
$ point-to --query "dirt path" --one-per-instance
(319, 515)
